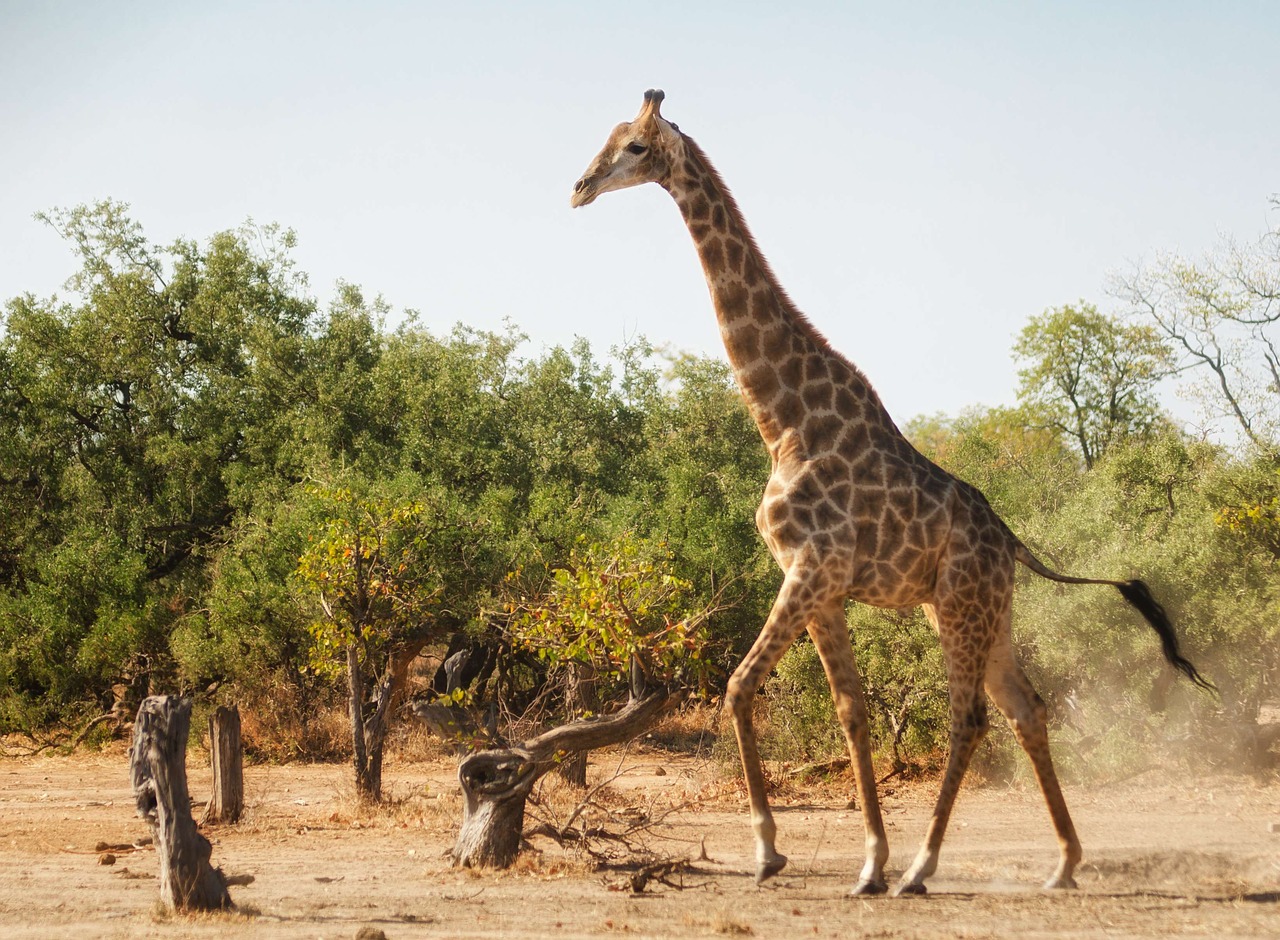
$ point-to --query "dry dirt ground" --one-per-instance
(1164, 857)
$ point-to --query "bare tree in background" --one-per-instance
(1222, 316)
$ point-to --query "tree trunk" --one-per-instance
(573, 769)
(386, 697)
(496, 783)
(366, 787)
(580, 696)
(227, 756)
(370, 720)
(157, 767)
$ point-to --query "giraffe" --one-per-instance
(852, 511)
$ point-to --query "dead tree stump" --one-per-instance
(227, 757)
(496, 785)
(157, 766)
(497, 782)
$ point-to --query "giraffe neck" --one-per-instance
(786, 370)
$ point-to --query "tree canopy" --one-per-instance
(212, 483)
(188, 424)
(1091, 377)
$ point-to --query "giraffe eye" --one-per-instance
(637, 149)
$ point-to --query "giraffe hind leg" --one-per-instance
(968, 706)
(1023, 708)
(968, 727)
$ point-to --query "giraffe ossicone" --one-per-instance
(852, 511)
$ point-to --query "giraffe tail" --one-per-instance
(1139, 595)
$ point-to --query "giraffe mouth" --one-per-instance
(584, 193)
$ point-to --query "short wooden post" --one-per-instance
(227, 757)
(157, 766)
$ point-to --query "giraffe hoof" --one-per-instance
(910, 889)
(1057, 883)
(766, 870)
(868, 888)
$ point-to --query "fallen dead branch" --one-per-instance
(497, 782)
(660, 872)
(668, 872)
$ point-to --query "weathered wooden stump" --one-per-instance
(497, 782)
(495, 785)
(226, 754)
(157, 766)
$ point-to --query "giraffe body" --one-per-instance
(851, 511)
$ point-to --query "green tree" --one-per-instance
(613, 605)
(699, 480)
(1025, 470)
(130, 414)
(369, 565)
(613, 608)
(1091, 377)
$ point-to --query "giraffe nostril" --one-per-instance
(577, 187)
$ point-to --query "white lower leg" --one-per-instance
(768, 861)
(1064, 875)
(871, 880)
(925, 864)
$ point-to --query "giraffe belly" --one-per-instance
(896, 560)
(903, 580)
(880, 585)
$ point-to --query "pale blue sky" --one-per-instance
(923, 176)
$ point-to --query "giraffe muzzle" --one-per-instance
(584, 193)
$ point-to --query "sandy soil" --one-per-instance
(1163, 857)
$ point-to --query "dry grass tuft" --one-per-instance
(160, 914)
(724, 921)
(692, 729)
(278, 723)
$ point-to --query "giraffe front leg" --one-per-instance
(785, 622)
(739, 696)
(831, 637)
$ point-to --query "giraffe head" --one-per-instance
(637, 152)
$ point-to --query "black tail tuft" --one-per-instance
(1139, 595)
